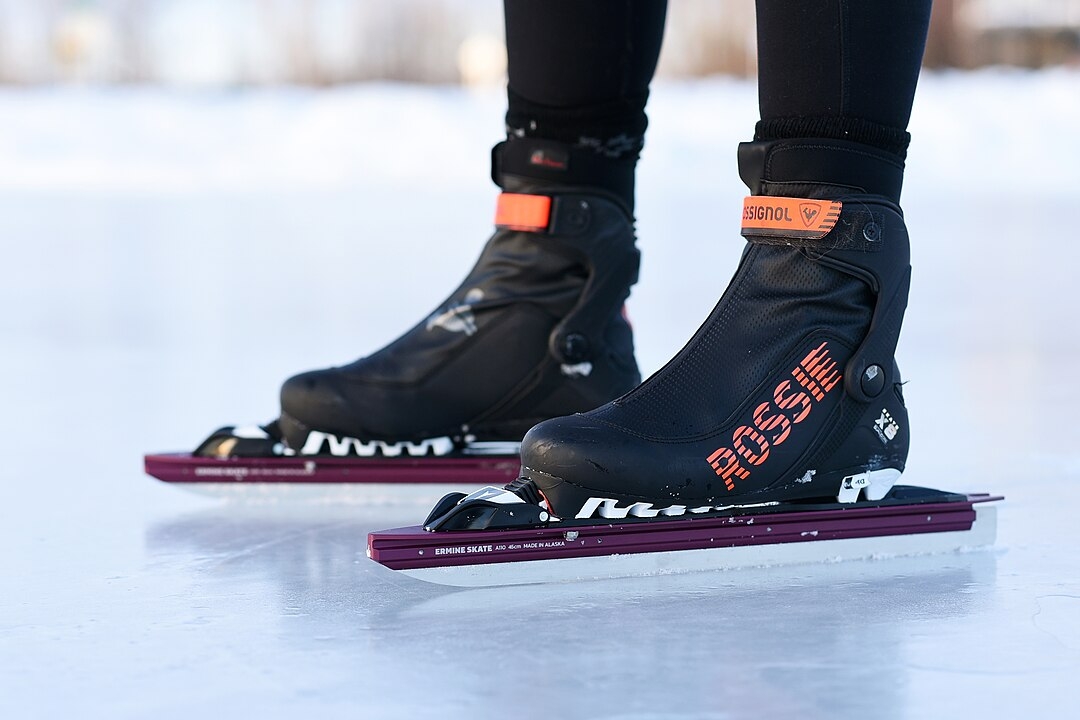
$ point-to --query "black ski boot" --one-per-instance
(535, 331)
(789, 390)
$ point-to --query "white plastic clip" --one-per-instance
(875, 483)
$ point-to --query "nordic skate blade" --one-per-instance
(567, 554)
(200, 473)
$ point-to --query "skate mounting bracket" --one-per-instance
(911, 521)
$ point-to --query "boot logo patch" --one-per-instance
(809, 211)
(793, 400)
(783, 217)
(550, 158)
(885, 427)
(459, 317)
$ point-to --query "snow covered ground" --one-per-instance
(169, 258)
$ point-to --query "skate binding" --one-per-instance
(489, 508)
(244, 441)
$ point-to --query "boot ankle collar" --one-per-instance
(558, 166)
(819, 168)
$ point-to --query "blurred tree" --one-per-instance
(322, 42)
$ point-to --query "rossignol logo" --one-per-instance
(773, 420)
(885, 427)
(808, 211)
(766, 213)
(550, 159)
(789, 217)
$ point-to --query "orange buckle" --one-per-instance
(530, 213)
(789, 217)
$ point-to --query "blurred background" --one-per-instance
(322, 42)
(200, 198)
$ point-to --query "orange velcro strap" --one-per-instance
(789, 217)
(515, 211)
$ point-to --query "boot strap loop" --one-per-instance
(785, 217)
(528, 213)
(813, 224)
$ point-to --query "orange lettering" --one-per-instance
(786, 403)
(726, 464)
(817, 374)
(767, 423)
(759, 453)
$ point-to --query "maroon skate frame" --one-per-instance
(183, 468)
(413, 548)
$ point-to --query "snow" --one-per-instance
(170, 257)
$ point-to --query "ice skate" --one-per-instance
(536, 330)
(782, 422)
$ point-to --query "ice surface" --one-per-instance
(168, 259)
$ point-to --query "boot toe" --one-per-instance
(567, 447)
(574, 457)
(579, 458)
(313, 398)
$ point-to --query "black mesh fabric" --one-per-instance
(777, 298)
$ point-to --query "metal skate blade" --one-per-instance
(456, 561)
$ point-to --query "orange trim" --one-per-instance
(789, 217)
(530, 213)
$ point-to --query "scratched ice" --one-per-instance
(170, 258)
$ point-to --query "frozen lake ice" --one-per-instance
(169, 258)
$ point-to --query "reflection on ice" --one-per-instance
(789, 641)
